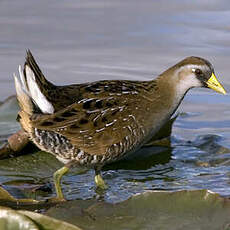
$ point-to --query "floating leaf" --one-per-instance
(4, 195)
(8, 200)
(25, 220)
(188, 210)
(13, 220)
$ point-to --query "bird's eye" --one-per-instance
(198, 72)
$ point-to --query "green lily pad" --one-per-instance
(13, 220)
(49, 223)
(199, 209)
(25, 220)
(6, 199)
(22, 220)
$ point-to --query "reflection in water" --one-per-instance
(144, 159)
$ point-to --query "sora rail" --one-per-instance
(96, 123)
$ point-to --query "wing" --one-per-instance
(92, 130)
(101, 119)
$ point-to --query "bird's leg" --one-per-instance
(57, 180)
(98, 179)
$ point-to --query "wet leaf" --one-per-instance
(13, 220)
(199, 209)
(4, 195)
(49, 223)
(6, 199)
(25, 220)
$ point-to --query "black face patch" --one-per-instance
(203, 75)
(198, 72)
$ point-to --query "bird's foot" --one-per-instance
(100, 182)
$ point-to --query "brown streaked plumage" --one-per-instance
(95, 123)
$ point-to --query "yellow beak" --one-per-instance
(215, 85)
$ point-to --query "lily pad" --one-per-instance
(199, 209)
(48, 223)
(13, 220)
(25, 220)
(7, 199)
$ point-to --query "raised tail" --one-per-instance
(24, 99)
(42, 82)
(29, 91)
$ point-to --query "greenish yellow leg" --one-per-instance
(99, 181)
(57, 181)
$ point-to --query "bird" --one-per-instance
(95, 123)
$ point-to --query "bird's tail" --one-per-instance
(40, 79)
(29, 88)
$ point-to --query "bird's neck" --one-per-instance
(175, 87)
(169, 94)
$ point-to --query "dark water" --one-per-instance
(78, 41)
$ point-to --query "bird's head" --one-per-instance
(196, 72)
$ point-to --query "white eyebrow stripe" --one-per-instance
(193, 67)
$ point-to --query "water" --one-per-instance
(79, 41)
